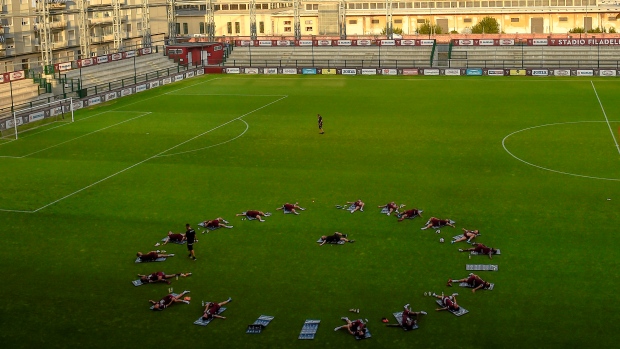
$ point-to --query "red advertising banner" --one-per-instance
(86, 62)
(584, 42)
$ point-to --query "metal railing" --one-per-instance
(329, 63)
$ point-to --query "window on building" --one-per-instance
(380, 5)
(128, 28)
(202, 28)
(514, 20)
(287, 22)
(234, 7)
(308, 29)
(569, 2)
(243, 6)
(563, 19)
(374, 21)
(466, 20)
(287, 29)
(27, 40)
(420, 21)
(261, 27)
(373, 5)
(229, 27)
(365, 6)
(611, 19)
(185, 28)
(237, 27)
(484, 4)
(265, 6)
(358, 6)
(398, 21)
(57, 37)
(224, 7)
(177, 28)
(352, 21)
(308, 22)
(26, 21)
(216, 7)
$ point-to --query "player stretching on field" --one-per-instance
(320, 123)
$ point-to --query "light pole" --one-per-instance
(250, 50)
(11, 87)
(312, 49)
(135, 79)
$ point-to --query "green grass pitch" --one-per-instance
(531, 162)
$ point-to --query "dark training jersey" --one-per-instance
(190, 235)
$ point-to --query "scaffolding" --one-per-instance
(389, 30)
(253, 19)
(146, 24)
(83, 28)
(210, 20)
(172, 21)
(116, 26)
(297, 19)
(342, 19)
(45, 34)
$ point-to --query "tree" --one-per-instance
(488, 25)
(427, 28)
(396, 30)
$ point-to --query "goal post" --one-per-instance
(25, 119)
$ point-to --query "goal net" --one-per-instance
(25, 119)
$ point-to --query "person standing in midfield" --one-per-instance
(190, 237)
(320, 123)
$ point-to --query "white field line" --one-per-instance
(147, 159)
(548, 169)
(78, 137)
(224, 94)
(606, 119)
(107, 111)
(211, 146)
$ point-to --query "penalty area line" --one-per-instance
(606, 119)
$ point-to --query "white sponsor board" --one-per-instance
(232, 71)
(55, 111)
(540, 72)
(147, 50)
(116, 56)
(289, 71)
(251, 70)
(178, 77)
(125, 92)
(305, 42)
(283, 43)
(64, 66)
(16, 75)
(506, 42)
(264, 43)
(344, 42)
(388, 42)
(9, 122)
(581, 72)
(1, 78)
(270, 71)
(369, 71)
(427, 42)
(166, 81)
(349, 71)
(605, 72)
(540, 42)
(389, 71)
(431, 71)
(142, 87)
(407, 43)
(247, 43)
(561, 72)
(452, 72)
(200, 72)
(102, 59)
(324, 42)
(486, 42)
(152, 84)
(36, 116)
(110, 96)
(495, 72)
(78, 105)
(130, 54)
(189, 74)
(94, 100)
(466, 42)
(363, 42)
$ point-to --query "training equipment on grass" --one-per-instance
(331, 242)
(138, 282)
(399, 318)
(174, 241)
(202, 224)
(481, 267)
(201, 322)
(347, 207)
(160, 259)
(465, 284)
(474, 253)
(308, 331)
(461, 311)
(258, 325)
(366, 335)
(32, 117)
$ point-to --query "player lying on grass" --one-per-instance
(356, 328)
(291, 208)
(332, 239)
(481, 249)
(219, 222)
(252, 214)
(472, 280)
(212, 308)
(160, 276)
(169, 300)
(468, 235)
(391, 207)
(176, 238)
(438, 223)
(153, 255)
(359, 205)
(449, 302)
(410, 318)
(414, 212)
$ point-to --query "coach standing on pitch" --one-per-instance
(190, 236)
(320, 123)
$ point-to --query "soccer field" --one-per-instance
(533, 163)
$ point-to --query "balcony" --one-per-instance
(95, 3)
(99, 21)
